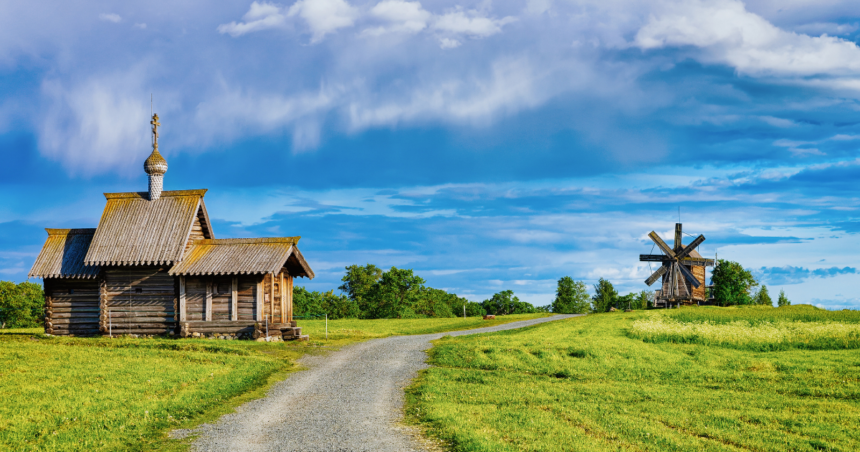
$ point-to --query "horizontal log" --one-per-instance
(117, 332)
(132, 312)
(75, 315)
(139, 319)
(248, 330)
(75, 305)
(57, 309)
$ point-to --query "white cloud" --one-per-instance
(324, 16)
(261, 16)
(470, 23)
(141, 26)
(448, 43)
(828, 28)
(98, 124)
(400, 15)
(730, 34)
(110, 17)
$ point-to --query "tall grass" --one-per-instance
(762, 314)
(585, 384)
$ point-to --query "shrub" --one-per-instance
(21, 305)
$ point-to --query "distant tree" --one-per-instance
(644, 300)
(307, 303)
(626, 301)
(762, 297)
(732, 284)
(397, 295)
(359, 284)
(21, 305)
(571, 297)
(604, 296)
(505, 302)
(782, 300)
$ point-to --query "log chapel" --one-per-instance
(154, 267)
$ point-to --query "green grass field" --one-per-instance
(65, 394)
(587, 384)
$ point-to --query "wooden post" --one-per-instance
(209, 301)
(182, 315)
(289, 298)
(282, 289)
(258, 306)
(272, 297)
(234, 300)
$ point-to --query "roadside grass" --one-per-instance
(102, 394)
(585, 384)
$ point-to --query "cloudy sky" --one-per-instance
(489, 145)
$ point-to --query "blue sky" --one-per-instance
(488, 145)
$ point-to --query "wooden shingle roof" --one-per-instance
(62, 256)
(136, 231)
(243, 256)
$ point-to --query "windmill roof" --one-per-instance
(135, 230)
(243, 256)
(62, 256)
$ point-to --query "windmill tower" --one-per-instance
(682, 270)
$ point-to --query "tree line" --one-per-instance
(368, 292)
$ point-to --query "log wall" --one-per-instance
(72, 307)
(140, 300)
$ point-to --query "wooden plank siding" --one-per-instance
(141, 300)
(71, 306)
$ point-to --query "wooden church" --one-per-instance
(154, 267)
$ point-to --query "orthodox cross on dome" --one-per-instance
(155, 125)
(155, 166)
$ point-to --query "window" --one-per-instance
(138, 290)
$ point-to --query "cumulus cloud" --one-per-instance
(400, 16)
(470, 23)
(261, 16)
(97, 124)
(729, 34)
(110, 17)
(324, 16)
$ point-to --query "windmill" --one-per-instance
(682, 269)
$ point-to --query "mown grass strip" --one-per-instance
(584, 384)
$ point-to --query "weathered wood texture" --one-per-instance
(222, 306)
(699, 294)
(71, 306)
(198, 230)
(140, 300)
(62, 256)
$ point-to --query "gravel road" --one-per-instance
(350, 400)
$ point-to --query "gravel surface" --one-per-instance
(350, 400)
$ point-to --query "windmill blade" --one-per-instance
(653, 258)
(678, 243)
(689, 248)
(689, 276)
(660, 243)
(656, 275)
(702, 262)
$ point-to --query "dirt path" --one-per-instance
(350, 400)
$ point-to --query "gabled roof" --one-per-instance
(62, 256)
(136, 231)
(244, 256)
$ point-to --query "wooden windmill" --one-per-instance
(682, 270)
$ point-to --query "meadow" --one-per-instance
(590, 384)
(65, 394)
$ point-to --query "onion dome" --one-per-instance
(155, 164)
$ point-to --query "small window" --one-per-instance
(71, 291)
(138, 290)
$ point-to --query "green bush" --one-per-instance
(21, 305)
